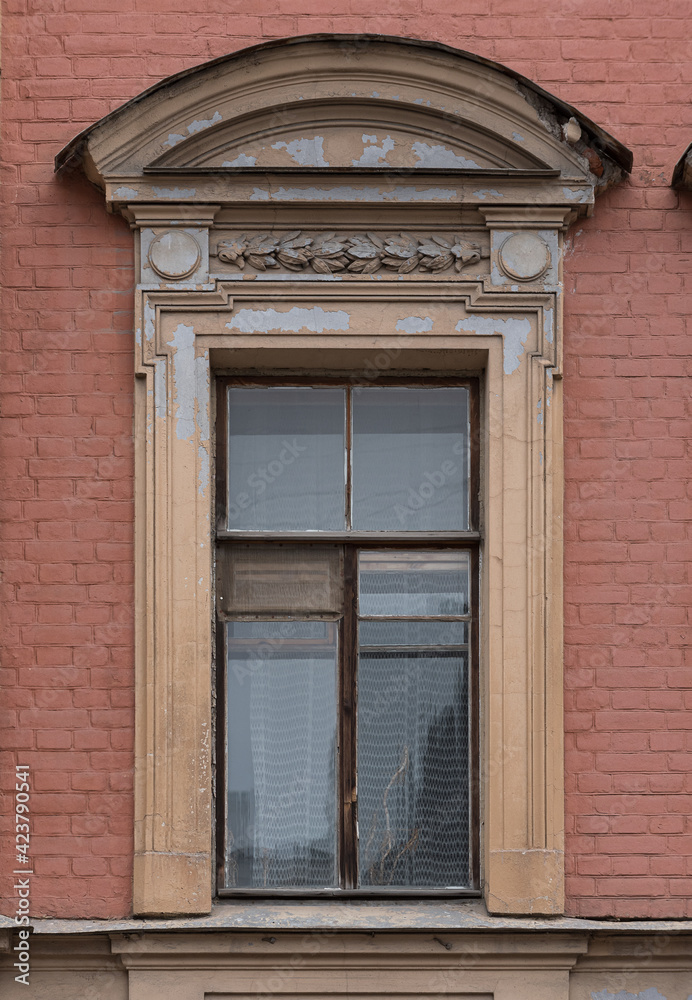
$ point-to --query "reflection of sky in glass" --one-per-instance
(410, 459)
(286, 459)
(281, 683)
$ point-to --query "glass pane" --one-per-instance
(420, 635)
(282, 725)
(416, 583)
(410, 459)
(286, 459)
(276, 578)
(413, 799)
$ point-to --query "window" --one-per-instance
(347, 552)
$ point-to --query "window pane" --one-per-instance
(413, 800)
(421, 635)
(286, 459)
(279, 578)
(410, 459)
(416, 583)
(282, 725)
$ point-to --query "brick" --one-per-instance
(68, 376)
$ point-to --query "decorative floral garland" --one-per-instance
(327, 254)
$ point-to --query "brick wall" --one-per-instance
(67, 426)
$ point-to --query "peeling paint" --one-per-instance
(548, 325)
(496, 276)
(514, 332)
(373, 154)
(183, 357)
(126, 192)
(483, 193)
(539, 407)
(197, 126)
(316, 320)
(202, 123)
(241, 160)
(581, 195)
(441, 157)
(517, 137)
(650, 994)
(203, 472)
(149, 320)
(347, 193)
(174, 192)
(160, 402)
(305, 152)
(415, 324)
(292, 276)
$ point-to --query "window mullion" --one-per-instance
(347, 726)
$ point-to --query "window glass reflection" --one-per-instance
(286, 459)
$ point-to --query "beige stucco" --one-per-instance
(367, 145)
(568, 963)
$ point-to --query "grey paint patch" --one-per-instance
(496, 276)
(305, 152)
(440, 156)
(126, 192)
(372, 154)
(415, 324)
(484, 192)
(174, 192)
(548, 325)
(268, 276)
(517, 137)
(241, 160)
(346, 193)
(202, 123)
(197, 126)
(514, 332)
(160, 403)
(580, 194)
(316, 320)
(183, 344)
(149, 320)
(203, 476)
(650, 994)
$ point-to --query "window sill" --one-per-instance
(332, 916)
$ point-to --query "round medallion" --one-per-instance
(524, 256)
(174, 254)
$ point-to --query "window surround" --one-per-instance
(156, 160)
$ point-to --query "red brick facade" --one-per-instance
(67, 406)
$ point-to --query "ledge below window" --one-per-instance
(351, 916)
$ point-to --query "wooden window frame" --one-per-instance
(352, 542)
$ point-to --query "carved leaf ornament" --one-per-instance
(364, 254)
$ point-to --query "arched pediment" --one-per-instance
(343, 104)
(345, 134)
